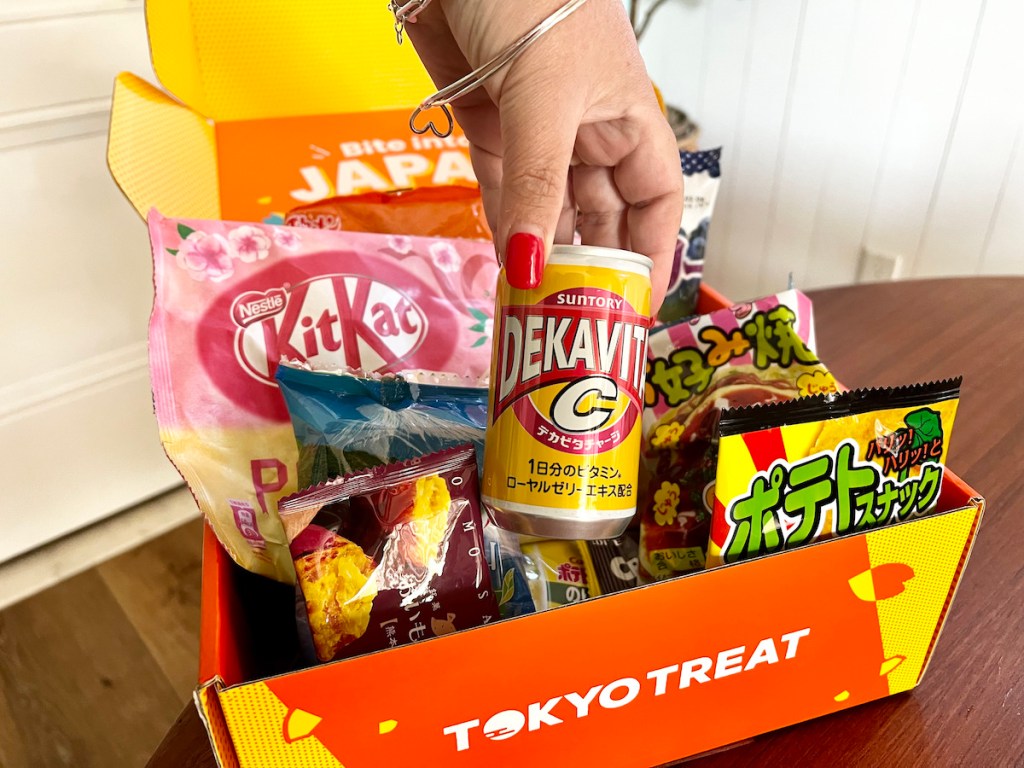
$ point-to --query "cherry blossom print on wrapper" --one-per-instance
(400, 244)
(484, 325)
(287, 238)
(204, 256)
(250, 243)
(326, 299)
(331, 321)
(446, 258)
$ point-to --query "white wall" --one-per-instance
(77, 436)
(847, 124)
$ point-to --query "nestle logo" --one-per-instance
(254, 306)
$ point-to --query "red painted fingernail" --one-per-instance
(524, 260)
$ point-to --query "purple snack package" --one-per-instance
(391, 555)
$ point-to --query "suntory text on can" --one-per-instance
(566, 396)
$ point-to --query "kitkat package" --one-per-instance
(232, 299)
(806, 470)
(751, 353)
(392, 555)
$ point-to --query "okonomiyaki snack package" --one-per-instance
(701, 178)
(391, 555)
(761, 352)
(233, 299)
(446, 211)
(345, 422)
(806, 470)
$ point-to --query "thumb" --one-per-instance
(538, 137)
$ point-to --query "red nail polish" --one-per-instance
(524, 260)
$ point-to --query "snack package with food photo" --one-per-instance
(344, 422)
(750, 353)
(392, 555)
(701, 178)
(806, 470)
(232, 299)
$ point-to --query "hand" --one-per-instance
(571, 125)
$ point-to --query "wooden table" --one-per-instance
(969, 709)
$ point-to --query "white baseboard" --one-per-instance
(35, 571)
(55, 123)
(76, 446)
(19, 12)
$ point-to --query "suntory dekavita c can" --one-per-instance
(566, 396)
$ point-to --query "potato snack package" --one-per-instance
(759, 352)
(391, 555)
(810, 469)
(232, 299)
(556, 574)
(563, 572)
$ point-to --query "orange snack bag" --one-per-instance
(450, 211)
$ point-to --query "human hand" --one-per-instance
(572, 125)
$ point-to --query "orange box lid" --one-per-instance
(223, 63)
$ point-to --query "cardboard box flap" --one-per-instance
(977, 503)
(212, 717)
(237, 61)
(161, 153)
(914, 574)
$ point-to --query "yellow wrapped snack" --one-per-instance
(813, 468)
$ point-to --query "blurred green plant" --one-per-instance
(640, 18)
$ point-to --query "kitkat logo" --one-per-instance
(303, 311)
(349, 321)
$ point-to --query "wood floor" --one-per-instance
(95, 670)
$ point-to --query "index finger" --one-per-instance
(650, 180)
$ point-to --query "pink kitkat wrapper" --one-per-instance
(232, 299)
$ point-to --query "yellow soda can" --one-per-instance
(567, 378)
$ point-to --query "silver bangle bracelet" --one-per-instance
(404, 13)
(478, 76)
